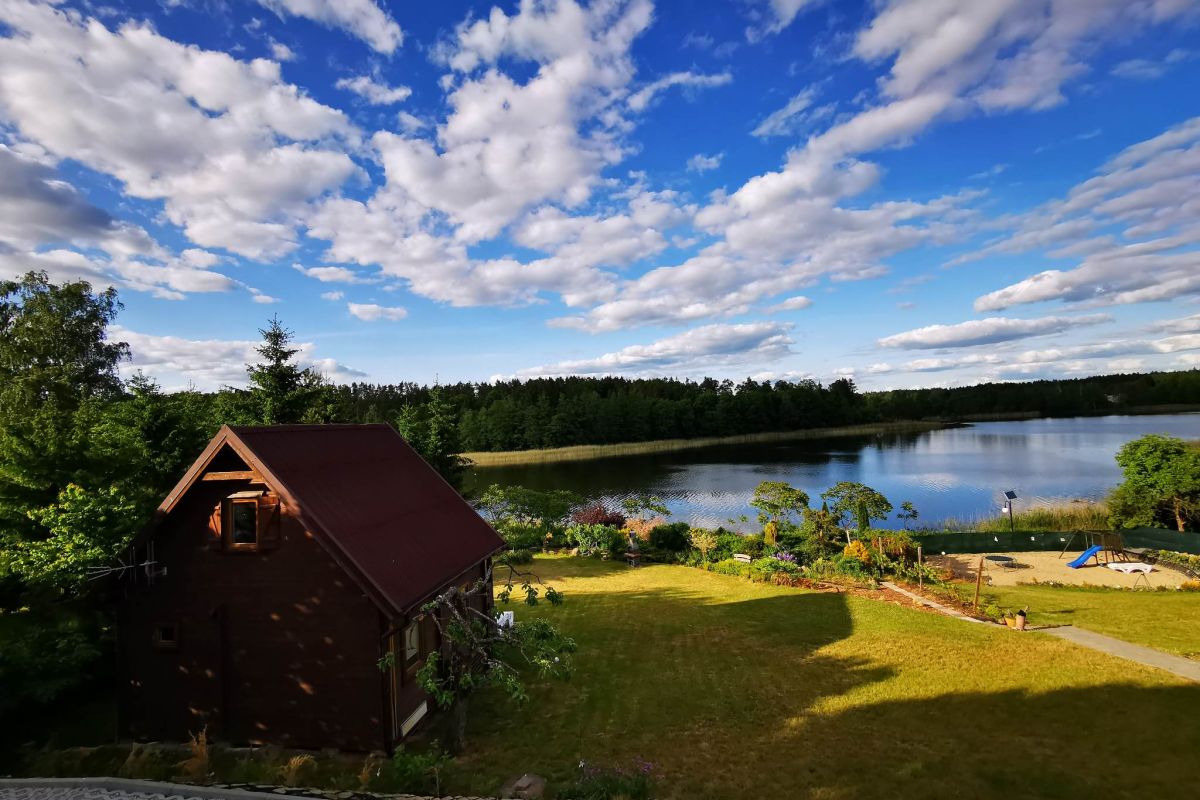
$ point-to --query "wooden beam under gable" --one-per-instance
(237, 475)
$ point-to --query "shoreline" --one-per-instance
(587, 452)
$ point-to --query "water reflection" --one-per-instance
(957, 472)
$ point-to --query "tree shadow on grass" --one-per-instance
(763, 697)
(672, 676)
(1117, 740)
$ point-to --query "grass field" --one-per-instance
(589, 451)
(734, 689)
(1168, 621)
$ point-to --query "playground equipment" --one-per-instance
(1087, 555)
(1106, 545)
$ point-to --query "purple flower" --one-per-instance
(788, 557)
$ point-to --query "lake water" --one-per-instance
(955, 472)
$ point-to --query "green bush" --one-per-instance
(672, 537)
(765, 569)
(729, 566)
(411, 772)
(521, 536)
(515, 557)
(598, 540)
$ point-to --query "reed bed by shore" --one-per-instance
(1074, 515)
(590, 451)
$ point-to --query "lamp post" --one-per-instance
(1009, 496)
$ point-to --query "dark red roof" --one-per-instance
(399, 524)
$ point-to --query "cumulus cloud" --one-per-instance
(699, 348)
(987, 331)
(641, 99)
(360, 18)
(208, 364)
(797, 303)
(1134, 223)
(703, 163)
(330, 274)
(231, 150)
(332, 296)
(374, 92)
(370, 312)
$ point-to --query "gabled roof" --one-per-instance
(384, 514)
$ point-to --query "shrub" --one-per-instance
(522, 536)
(672, 537)
(412, 772)
(897, 544)
(598, 514)
(515, 557)
(598, 540)
(765, 569)
(857, 551)
(729, 566)
(609, 783)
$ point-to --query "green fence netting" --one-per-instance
(1031, 541)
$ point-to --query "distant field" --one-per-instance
(590, 451)
(741, 690)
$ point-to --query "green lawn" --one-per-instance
(745, 690)
(1166, 620)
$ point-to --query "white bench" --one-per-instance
(742, 557)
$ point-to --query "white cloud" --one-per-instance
(330, 274)
(787, 120)
(231, 150)
(640, 100)
(696, 349)
(332, 296)
(361, 18)
(990, 172)
(371, 312)
(1149, 195)
(208, 364)
(772, 16)
(281, 52)
(374, 92)
(703, 163)
(1148, 69)
(797, 303)
(987, 331)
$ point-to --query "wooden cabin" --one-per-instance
(281, 568)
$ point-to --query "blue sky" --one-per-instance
(909, 192)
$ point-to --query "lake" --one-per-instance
(957, 472)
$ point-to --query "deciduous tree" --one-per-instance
(1162, 479)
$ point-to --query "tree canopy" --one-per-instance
(1162, 483)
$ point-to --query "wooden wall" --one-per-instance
(274, 647)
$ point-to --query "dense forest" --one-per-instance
(555, 412)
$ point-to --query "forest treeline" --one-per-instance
(558, 412)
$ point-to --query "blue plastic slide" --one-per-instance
(1083, 558)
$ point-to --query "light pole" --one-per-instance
(1009, 496)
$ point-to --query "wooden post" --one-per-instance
(920, 568)
(978, 583)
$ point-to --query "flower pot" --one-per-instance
(1020, 622)
(1010, 622)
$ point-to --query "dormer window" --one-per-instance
(241, 521)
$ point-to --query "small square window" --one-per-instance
(166, 636)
